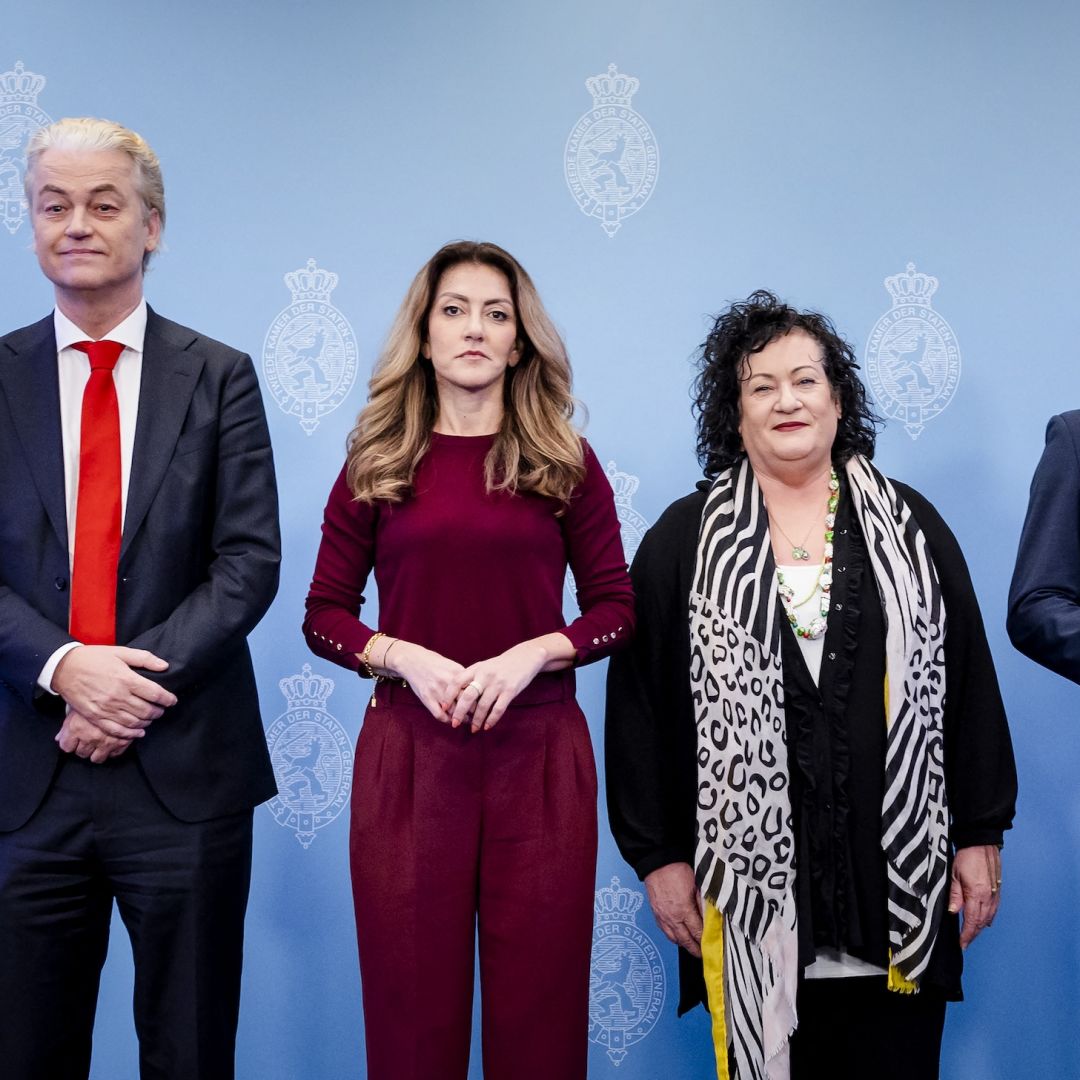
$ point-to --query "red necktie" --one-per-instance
(97, 512)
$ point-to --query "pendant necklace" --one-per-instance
(823, 582)
(798, 551)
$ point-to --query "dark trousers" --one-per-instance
(454, 834)
(856, 1029)
(181, 890)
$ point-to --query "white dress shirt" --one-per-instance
(74, 370)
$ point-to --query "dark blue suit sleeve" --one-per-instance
(27, 640)
(244, 546)
(1044, 600)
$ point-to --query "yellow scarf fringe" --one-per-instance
(898, 983)
(712, 955)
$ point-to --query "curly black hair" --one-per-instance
(746, 328)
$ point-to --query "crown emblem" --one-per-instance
(612, 88)
(21, 85)
(306, 690)
(911, 287)
(623, 485)
(311, 283)
(616, 903)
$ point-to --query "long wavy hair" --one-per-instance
(536, 449)
(746, 328)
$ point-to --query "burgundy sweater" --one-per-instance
(467, 573)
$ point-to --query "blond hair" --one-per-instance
(89, 133)
(536, 448)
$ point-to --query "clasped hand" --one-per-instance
(477, 695)
(109, 704)
(490, 685)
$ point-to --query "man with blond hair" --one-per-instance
(139, 546)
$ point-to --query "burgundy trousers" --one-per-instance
(455, 834)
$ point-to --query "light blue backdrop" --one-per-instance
(812, 148)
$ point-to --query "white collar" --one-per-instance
(131, 333)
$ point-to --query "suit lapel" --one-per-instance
(29, 379)
(170, 373)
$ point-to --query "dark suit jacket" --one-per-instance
(1044, 600)
(198, 567)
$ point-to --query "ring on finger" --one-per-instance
(477, 687)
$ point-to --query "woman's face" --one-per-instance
(472, 333)
(787, 411)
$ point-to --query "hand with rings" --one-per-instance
(468, 696)
(433, 678)
(975, 890)
(488, 687)
(464, 708)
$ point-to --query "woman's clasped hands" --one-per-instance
(477, 695)
(490, 685)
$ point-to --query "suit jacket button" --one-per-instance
(61, 584)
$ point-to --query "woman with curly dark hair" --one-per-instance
(808, 761)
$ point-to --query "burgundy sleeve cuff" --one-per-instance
(338, 640)
(592, 642)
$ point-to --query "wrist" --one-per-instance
(48, 674)
(552, 651)
(373, 660)
(537, 650)
(395, 658)
(392, 651)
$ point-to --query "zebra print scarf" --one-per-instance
(745, 858)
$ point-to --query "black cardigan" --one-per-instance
(836, 738)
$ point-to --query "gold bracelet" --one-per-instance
(386, 656)
(365, 659)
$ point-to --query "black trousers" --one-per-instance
(102, 835)
(856, 1029)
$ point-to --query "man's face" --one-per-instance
(91, 227)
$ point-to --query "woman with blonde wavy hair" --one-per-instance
(467, 491)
